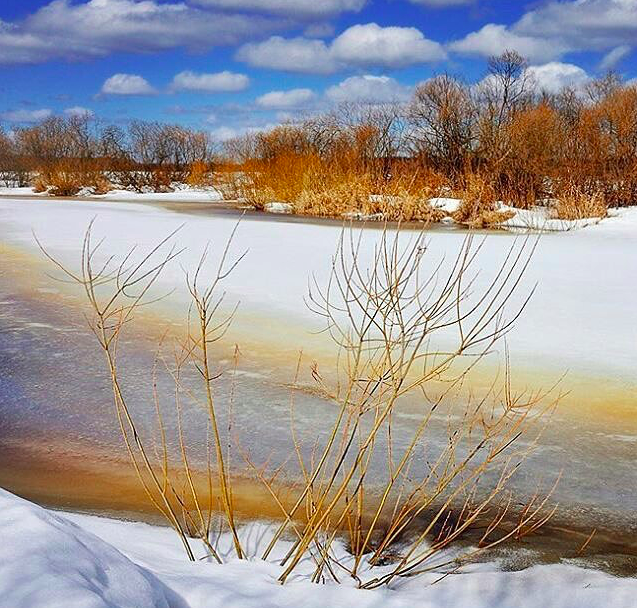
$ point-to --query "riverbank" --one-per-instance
(74, 561)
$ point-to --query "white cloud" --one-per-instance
(494, 39)
(554, 76)
(78, 112)
(289, 54)
(126, 84)
(613, 57)
(584, 24)
(559, 27)
(294, 98)
(26, 115)
(210, 83)
(372, 44)
(319, 30)
(368, 89)
(224, 133)
(65, 29)
(359, 45)
(290, 8)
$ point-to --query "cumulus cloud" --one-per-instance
(26, 115)
(368, 89)
(65, 29)
(126, 84)
(78, 112)
(372, 44)
(585, 24)
(294, 98)
(319, 30)
(210, 83)
(558, 27)
(494, 39)
(554, 76)
(290, 8)
(359, 45)
(288, 54)
(226, 132)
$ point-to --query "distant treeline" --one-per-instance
(75, 152)
(502, 139)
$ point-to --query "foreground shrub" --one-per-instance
(386, 318)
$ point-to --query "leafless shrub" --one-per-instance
(407, 329)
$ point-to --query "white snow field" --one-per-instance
(183, 193)
(581, 319)
(63, 560)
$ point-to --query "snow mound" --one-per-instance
(277, 207)
(46, 560)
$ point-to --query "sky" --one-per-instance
(229, 66)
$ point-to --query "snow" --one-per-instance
(181, 193)
(22, 191)
(277, 207)
(65, 560)
(190, 195)
(450, 205)
(46, 560)
(562, 329)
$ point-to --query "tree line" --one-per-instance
(504, 138)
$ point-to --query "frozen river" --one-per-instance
(58, 436)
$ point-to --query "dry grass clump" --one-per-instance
(101, 184)
(408, 207)
(67, 178)
(60, 179)
(39, 183)
(199, 175)
(576, 204)
(336, 199)
(479, 208)
(360, 197)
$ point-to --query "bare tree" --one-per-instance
(442, 117)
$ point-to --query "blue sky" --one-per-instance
(232, 65)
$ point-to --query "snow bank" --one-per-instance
(46, 560)
(190, 195)
(78, 561)
(277, 207)
(21, 191)
(181, 194)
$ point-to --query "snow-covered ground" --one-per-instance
(181, 194)
(63, 560)
(538, 218)
(582, 316)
